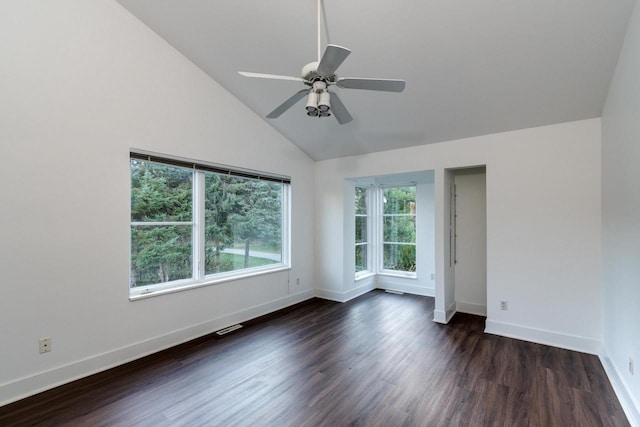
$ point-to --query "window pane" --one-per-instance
(400, 229)
(361, 258)
(399, 257)
(160, 193)
(361, 229)
(160, 254)
(400, 200)
(243, 223)
(361, 201)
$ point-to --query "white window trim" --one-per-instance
(398, 273)
(183, 285)
(199, 279)
(364, 274)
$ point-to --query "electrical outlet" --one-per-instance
(45, 345)
(504, 305)
(298, 281)
(433, 276)
(631, 366)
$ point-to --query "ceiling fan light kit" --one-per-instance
(318, 76)
(312, 104)
(318, 101)
(324, 103)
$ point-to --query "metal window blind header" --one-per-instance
(210, 167)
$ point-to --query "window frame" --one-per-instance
(199, 278)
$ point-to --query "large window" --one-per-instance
(362, 226)
(194, 224)
(399, 229)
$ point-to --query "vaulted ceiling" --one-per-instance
(471, 67)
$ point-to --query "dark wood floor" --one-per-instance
(378, 360)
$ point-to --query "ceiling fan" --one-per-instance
(319, 76)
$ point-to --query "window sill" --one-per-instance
(401, 274)
(364, 275)
(150, 292)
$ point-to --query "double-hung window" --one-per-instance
(399, 229)
(162, 223)
(195, 223)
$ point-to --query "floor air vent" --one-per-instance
(389, 291)
(229, 329)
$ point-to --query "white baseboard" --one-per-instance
(471, 308)
(439, 316)
(345, 296)
(443, 317)
(368, 287)
(42, 381)
(407, 289)
(330, 295)
(541, 336)
(629, 406)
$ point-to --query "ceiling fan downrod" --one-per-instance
(319, 30)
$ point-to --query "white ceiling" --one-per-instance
(472, 67)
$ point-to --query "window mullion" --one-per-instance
(156, 223)
(198, 226)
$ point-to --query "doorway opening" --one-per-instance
(462, 282)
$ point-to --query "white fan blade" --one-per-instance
(339, 110)
(386, 85)
(331, 59)
(287, 104)
(270, 76)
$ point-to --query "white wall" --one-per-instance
(543, 225)
(471, 242)
(621, 222)
(81, 82)
(425, 250)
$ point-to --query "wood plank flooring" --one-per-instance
(378, 360)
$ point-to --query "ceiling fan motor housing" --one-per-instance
(310, 74)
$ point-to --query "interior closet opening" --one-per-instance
(470, 240)
(465, 281)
